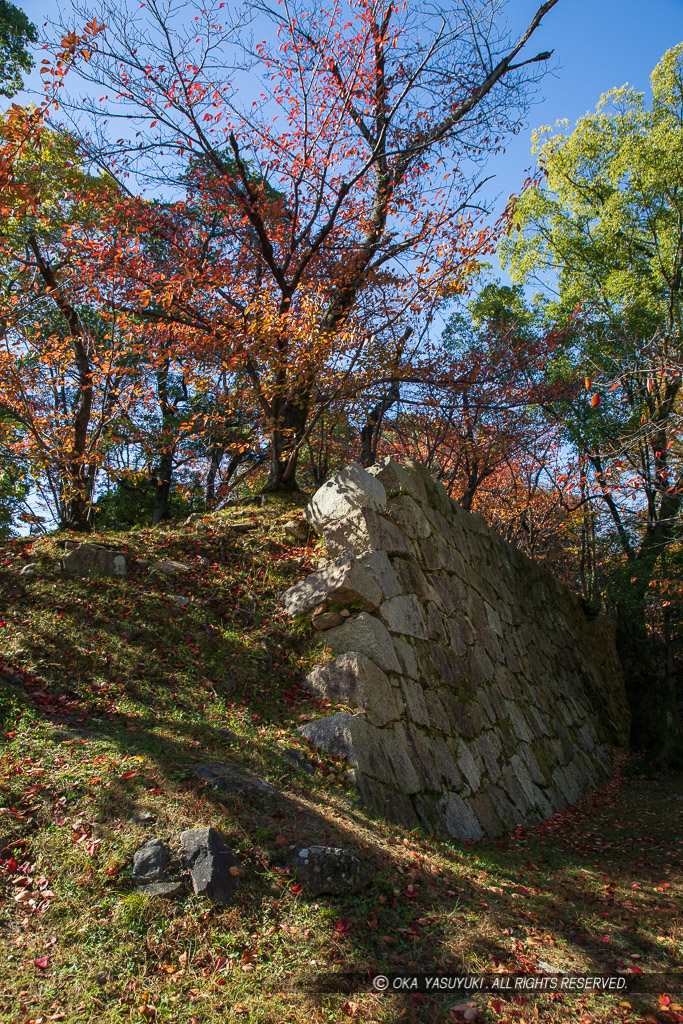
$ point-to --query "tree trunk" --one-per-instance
(164, 473)
(76, 511)
(162, 495)
(286, 433)
(372, 430)
(214, 466)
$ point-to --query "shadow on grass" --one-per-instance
(564, 893)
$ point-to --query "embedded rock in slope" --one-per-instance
(354, 680)
(366, 635)
(93, 559)
(326, 869)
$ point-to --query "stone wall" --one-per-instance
(481, 695)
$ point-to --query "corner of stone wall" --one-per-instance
(482, 696)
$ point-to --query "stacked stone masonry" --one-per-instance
(481, 696)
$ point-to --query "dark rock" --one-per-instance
(213, 868)
(141, 818)
(149, 862)
(231, 781)
(328, 869)
(228, 735)
(165, 889)
(298, 758)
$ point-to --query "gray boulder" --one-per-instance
(350, 489)
(335, 734)
(325, 869)
(213, 868)
(403, 615)
(93, 559)
(380, 568)
(149, 862)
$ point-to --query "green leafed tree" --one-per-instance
(603, 226)
(16, 31)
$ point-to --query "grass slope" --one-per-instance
(111, 694)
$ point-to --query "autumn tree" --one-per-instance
(607, 226)
(366, 121)
(65, 352)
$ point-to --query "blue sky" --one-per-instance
(598, 44)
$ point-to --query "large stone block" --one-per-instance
(354, 680)
(350, 736)
(406, 657)
(461, 821)
(458, 717)
(421, 756)
(438, 719)
(342, 582)
(362, 530)
(385, 802)
(396, 747)
(377, 564)
(351, 489)
(468, 766)
(414, 698)
(366, 635)
(414, 581)
(335, 734)
(436, 624)
(486, 815)
(437, 495)
(398, 479)
(444, 763)
(403, 616)
(519, 723)
(409, 516)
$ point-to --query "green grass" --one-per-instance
(119, 693)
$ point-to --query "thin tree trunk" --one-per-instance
(372, 429)
(162, 494)
(214, 466)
